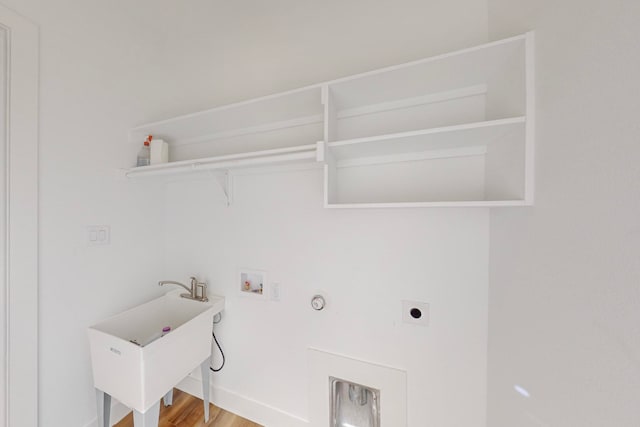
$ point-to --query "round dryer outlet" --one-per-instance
(415, 312)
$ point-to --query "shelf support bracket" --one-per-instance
(226, 184)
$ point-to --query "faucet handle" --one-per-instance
(198, 289)
(202, 296)
(203, 291)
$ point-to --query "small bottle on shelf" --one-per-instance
(144, 155)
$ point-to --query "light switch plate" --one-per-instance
(98, 235)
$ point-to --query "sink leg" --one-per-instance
(149, 418)
(104, 408)
(204, 367)
(168, 398)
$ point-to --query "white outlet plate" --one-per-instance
(275, 292)
(415, 312)
(98, 235)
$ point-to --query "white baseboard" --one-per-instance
(118, 412)
(246, 407)
(258, 412)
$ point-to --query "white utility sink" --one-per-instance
(133, 363)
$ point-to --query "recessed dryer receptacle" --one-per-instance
(354, 404)
(341, 380)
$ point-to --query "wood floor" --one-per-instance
(188, 411)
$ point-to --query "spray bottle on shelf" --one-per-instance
(144, 155)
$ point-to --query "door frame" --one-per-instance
(21, 224)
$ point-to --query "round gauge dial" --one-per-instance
(317, 302)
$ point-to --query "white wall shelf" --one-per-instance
(451, 130)
(283, 120)
(446, 137)
(279, 156)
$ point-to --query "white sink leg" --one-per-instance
(104, 408)
(204, 368)
(168, 398)
(149, 418)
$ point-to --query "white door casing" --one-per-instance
(3, 216)
(20, 223)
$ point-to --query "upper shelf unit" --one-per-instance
(450, 130)
(471, 85)
(281, 121)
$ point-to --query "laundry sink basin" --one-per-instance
(136, 363)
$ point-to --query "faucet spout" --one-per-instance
(198, 290)
(172, 282)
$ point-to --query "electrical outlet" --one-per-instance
(415, 312)
(275, 292)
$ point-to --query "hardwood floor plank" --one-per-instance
(188, 411)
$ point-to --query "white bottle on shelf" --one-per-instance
(159, 152)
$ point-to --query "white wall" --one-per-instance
(366, 262)
(106, 66)
(564, 295)
(92, 90)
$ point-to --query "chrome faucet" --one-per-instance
(198, 291)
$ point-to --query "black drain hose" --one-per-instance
(221, 352)
(213, 334)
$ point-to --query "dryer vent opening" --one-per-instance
(354, 404)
